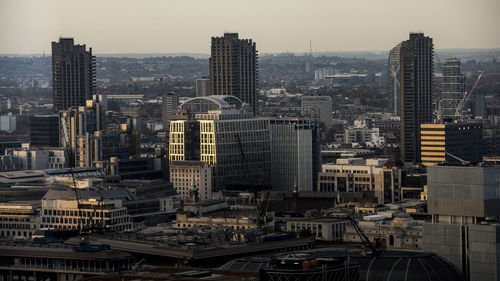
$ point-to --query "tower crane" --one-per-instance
(465, 98)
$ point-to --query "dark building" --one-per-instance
(73, 74)
(451, 143)
(44, 131)
(302, 267)
(233, 68)
(416, 72)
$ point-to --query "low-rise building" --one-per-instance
(402, 232)
(326, 229)
(72, 209)
(18, 220)
(183, 221)
(192, 179)
(360, 175)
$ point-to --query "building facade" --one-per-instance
(451, 143)
(464, 204)
(44, 131)
(295, 154)
(359, 175)
(192, 180)
(62, 210)
(319, 107)
(233, 68)
(203, 86)
(73, 74)
(169, 105)
(453, 88)
(416, 89)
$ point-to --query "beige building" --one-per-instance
(322, 229)
(360, 175)
(62, 210)
(182, 221)
(230, 140)
(18, 220)
(402, 232)
(192, 180)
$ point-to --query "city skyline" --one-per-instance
(174, 27)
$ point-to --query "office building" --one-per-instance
(18, 220)
(192, 180)
(295, 154)
(228, 138)
(361, 176)
(73, 74)
(451, 143)
(203, 86)
(169, 104)
(416, 87)
(62, 210)
(319, 107)
(37, 158)
(44, 131)
(234, 68)
(465, 205)
(453, 88)
(394, 73)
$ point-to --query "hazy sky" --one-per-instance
(171, 26)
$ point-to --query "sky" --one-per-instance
(186, 26)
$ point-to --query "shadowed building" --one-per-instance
(73, 74)
(416, 66)
(233, 68)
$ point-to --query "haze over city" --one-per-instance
(354, 140)
(127, 26)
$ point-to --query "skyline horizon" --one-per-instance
(28, 27)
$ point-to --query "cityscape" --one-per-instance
(228, 161)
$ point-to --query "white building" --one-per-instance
(39, 158)
(7, 123)
(322, 229)
(61, 209)
(192, 180)
(18, 220)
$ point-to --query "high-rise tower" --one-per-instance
(233, 68)
(394, 74)
(73, 74)
(453, 88)
(416, 66)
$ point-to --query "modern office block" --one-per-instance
(295, 154)
(73, 74)
(44, 131)
(451, 143)
(416, 68)
(234, 68)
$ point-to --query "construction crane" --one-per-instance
(375, 250)
(464, 162)
(83, 225)
(465, 98)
